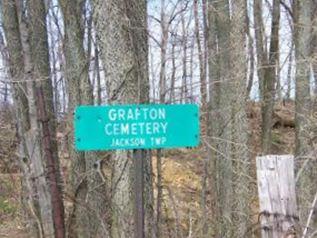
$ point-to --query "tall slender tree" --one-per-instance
(202, 68)
(37, 122)
(267, 68)
(228, 130)
(213, 125)
(122, 30)
(39, 55)
(242, 186)
(304, 119)
(314, 44)
(88, 189)
(16, 66)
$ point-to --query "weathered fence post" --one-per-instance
(276, 186)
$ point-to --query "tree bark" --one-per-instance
(304, 120)
(20, 100)
(184, 90)
(213, 123)
(227, 146)
(39, 55)
(269, 81)
(202, 70)
(29, 54)
(224, 162)
(250, 51)
(88, 190)
(122, 30)
(173, 76)
(267, 69)
(241, 158)
(314, 45)
(221, 165)
(164, 42)
(289, 71)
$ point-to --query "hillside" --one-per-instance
(182, 171)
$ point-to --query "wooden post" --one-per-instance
(276, 186)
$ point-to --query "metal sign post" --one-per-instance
(138, 156)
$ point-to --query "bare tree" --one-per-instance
(304, 119)
(88, 216)
(45, 106)
(250, 50)
(267, 68)
(202, 68)
(122, 30)
(228, 138)
(16, 65)
(241, 159)
(314, 44)
(37, 123)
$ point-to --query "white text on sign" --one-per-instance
(143, 123)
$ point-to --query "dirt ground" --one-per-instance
(182, 171)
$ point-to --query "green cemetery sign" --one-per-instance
(136, 126)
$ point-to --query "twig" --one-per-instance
(311, 212)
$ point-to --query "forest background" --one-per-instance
(251, 65)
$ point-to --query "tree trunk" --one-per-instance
(97, 72)
(122, 30)
(191, 72)
(53, 62)
(184, 91)
(220, 116)
(164, 41)
(304, 120)
(250, 51)
(32, 64)
(39, 56)
(289, 71)
(87, 189)
(202, 69)
(230, 160)
(213, 123)
(259, 40)
(269, 80)
(224, 162)
(314, 46)
(33, 145)
(267, 68)
(173, 76)
(162, 97)
(241, 158)
(16, 65)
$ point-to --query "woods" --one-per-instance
(249, 65)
